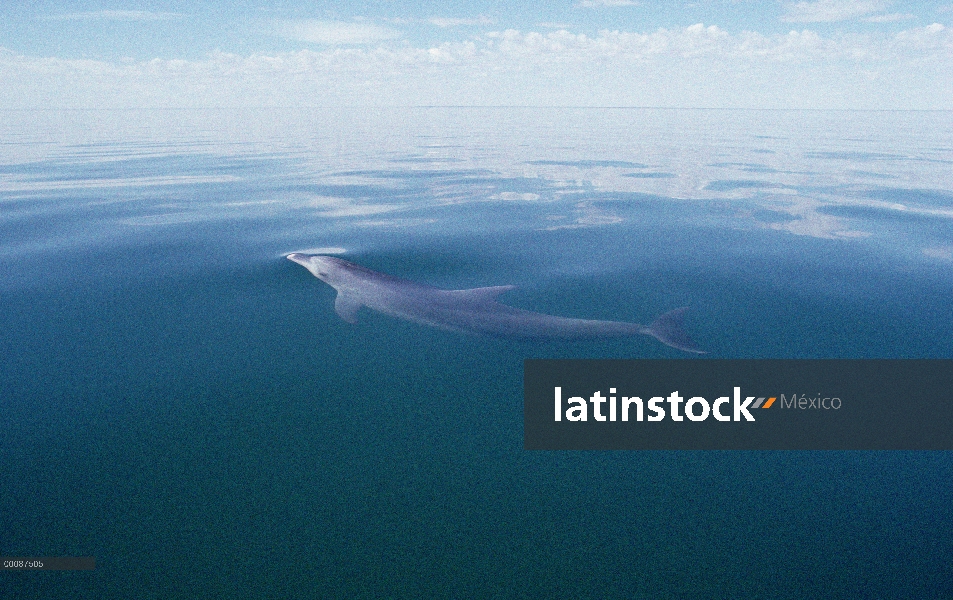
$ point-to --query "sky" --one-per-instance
(841, 54)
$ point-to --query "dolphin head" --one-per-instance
(328, 269)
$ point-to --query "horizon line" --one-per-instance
(493, 106)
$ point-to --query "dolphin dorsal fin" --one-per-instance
(484, 294)
(668, 330)
(346, 307)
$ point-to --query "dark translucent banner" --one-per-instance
(738, 404)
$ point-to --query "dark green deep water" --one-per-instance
(183, 404)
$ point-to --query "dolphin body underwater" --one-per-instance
(474, 310)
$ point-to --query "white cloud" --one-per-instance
(334, 33)
(933, 37)
(890, 18)
(597, 3)
(115, 15)
(702, 66)
(445, 22)
(831, 10)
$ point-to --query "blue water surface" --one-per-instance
(182, 403)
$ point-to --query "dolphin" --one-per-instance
(474, 310)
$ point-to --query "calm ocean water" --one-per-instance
(181, 402)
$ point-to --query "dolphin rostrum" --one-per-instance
(475, 310)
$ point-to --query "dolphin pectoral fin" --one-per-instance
(484, 294)
(668, 330)
(346, 308)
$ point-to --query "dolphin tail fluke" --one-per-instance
(668, 330)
